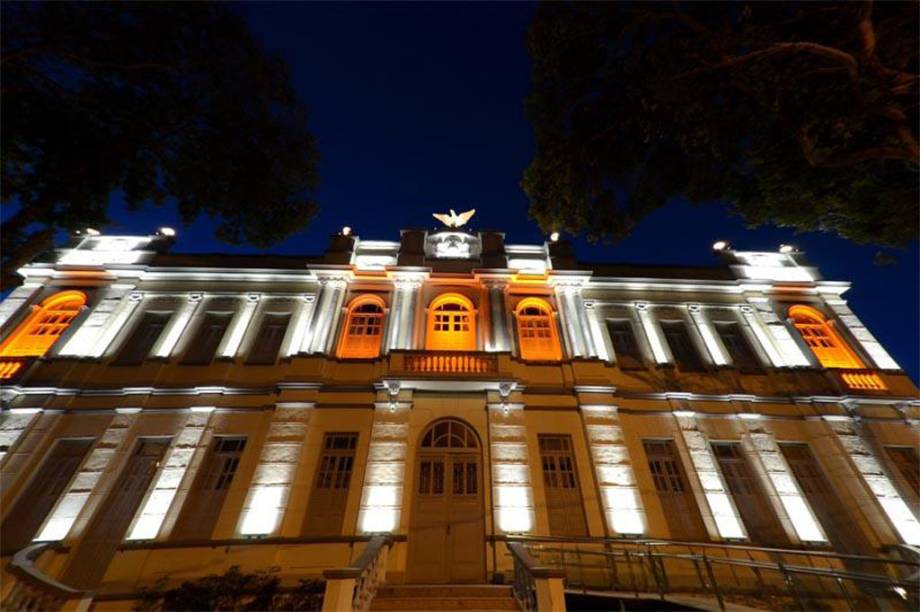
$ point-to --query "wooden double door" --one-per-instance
(447, 533)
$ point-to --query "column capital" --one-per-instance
(194, 298)
(253, 298)
(136, 296)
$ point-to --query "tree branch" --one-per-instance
(782, 48)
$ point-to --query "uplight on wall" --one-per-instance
(167, 231)
(554, 237)
(721, 245)
(346, 231)
(787, 248)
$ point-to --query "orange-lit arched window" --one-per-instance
(44, 326)
(451, 324)
(537, 331)
(824, 342)
(363, 328)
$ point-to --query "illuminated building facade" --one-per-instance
(172, 415)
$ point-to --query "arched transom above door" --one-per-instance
(450, 433)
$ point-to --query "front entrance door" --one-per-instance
(447, 534)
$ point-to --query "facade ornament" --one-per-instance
(135, 296)
(252, 298)
(453, 219)
(194, 298)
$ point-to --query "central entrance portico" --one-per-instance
(447, 532)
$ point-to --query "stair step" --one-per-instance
(444, 603)
(444, 597)
(409, 591)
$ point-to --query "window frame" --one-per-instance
(350, 345)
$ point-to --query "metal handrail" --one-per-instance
(770, 578)
(801, 569)
(717, 545)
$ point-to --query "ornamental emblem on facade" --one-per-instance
(453, 219)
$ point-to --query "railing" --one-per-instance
(535, 587)
(12, 367)
(34, 590)
(451, 362)
(723, 573)
(862, 380)
(354, 587)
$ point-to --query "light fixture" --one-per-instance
(90, 231)
(554, 237)
(684, 414)
(346, 231)
(749, 416)
(787, 248)
(720, 245)
(167, 231)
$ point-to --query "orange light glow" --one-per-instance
(451, 324)
(537, 331)
(44, 326)
(824, 342)
(363, 328)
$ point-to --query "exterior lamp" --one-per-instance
(554, 237)
(90, 231)
(720, 245)
(167, 231)
(346, 231)
(787, 248)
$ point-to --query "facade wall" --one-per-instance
(606, 407)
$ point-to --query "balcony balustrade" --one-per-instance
(450, 362)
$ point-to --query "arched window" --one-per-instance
(537, 331)
(824, 342)
(451, 324)
(44, 326)
(363, 328)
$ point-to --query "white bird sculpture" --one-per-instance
(453, 219)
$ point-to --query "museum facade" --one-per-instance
(168, 416)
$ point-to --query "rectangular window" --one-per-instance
(35, 502)
(96, 550)
(268, 343)
(763, 526)
(682, 348)
(831, 513)
(677, 501)
(560, 481)
(625, 348)
(739, 349)
(206, 499)
(138, 346)
(905, 459)
(326, 508)
(205, 342)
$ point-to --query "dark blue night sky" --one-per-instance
(419, 107)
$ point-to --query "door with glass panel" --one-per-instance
(447, 533)
(763, 527)
(206, 499)
(680, 508)
(564, 505)
(39, 496)
(112, 519)
(329, 496)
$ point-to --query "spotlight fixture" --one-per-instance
(346, 231)
(167, 231)
(91, 231)
(787, 248)
(720, 245)
(554, 237)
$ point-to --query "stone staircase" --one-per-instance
(444, 597)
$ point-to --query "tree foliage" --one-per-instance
(165, 102)
(233, 591)
(801, 114)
